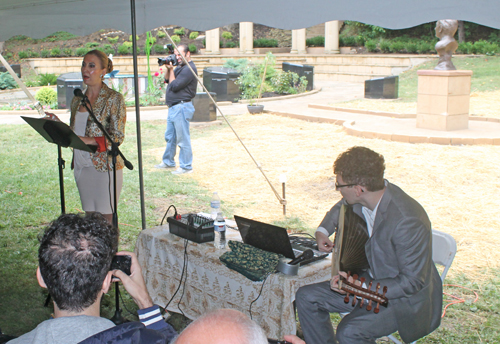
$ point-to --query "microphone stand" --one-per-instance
(117, 319)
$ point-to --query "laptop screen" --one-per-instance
(265, 236)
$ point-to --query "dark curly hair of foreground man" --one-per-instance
(75, 257)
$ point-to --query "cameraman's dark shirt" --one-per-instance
(183, 88)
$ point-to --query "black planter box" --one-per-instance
(301, 70)
(382, 88)
(204, 109)
(66, 85)
(15, 67)
(222, 81)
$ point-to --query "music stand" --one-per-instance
(62, 135)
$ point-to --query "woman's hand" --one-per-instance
(52, 117)
(88, 140)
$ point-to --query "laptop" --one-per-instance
(272, 238)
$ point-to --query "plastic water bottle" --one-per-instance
(220, 231)
(214, 205)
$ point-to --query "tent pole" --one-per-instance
(137, 113)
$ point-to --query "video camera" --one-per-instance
(171, 58)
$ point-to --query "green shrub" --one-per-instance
(46, 96)
(180, 31)
(347, 41)
(318, 41)
(194, 35)
(81, 51)
(19, 38)
(130, 38)
(55, 52)
(91, 45)
(360, 40)
(397, 46)
(113, 40)
(161, 34)
(371, 45)
(128, 44)
(229, 44)
(8, 55)
(158, 49)
(68, 52)
(44, 53)
(23, 54)
(124, 49)
(227, 35)
(108, 49)
(411, 48)
(265, 43)
(7, 82)
(176, 39)
(424, 47)
(59, 36)
(47, 79)
(33, 54)
(192, 48)
(464, 48)
(385, 46)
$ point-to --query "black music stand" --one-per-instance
(62, 135)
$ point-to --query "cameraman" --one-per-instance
(181, 90)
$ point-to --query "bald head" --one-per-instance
(223, 326)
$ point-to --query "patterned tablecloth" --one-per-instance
(211, 285)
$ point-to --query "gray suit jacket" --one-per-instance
(400, 256)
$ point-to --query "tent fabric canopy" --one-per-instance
(39, 18)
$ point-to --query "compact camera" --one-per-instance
(171, 58)
(122, 263)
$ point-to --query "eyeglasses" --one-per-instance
(339, 186)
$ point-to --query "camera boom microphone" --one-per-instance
(307, 254)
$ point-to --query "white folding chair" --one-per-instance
(444, 248)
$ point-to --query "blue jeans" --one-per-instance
(177, 134)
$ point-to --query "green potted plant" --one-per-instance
(251, 94)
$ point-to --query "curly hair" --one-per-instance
(75, 256)
(361, 166)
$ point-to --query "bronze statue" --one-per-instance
(445, 30)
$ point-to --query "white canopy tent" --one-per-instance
(39, 18)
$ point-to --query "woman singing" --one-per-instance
(94, 171)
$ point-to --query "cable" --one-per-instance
(184, 269)
(261, 288)
(185, 279)
(123, 304)
(175, 215)
(460, 300)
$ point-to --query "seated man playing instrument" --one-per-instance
(398, 252)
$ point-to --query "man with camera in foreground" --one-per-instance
(75, 258)
(181, 90)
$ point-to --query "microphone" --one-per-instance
(78, 93)
(307, 254)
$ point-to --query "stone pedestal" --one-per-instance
(443, 99)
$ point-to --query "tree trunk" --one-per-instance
(461, 31)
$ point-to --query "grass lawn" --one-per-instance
(29, 199)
